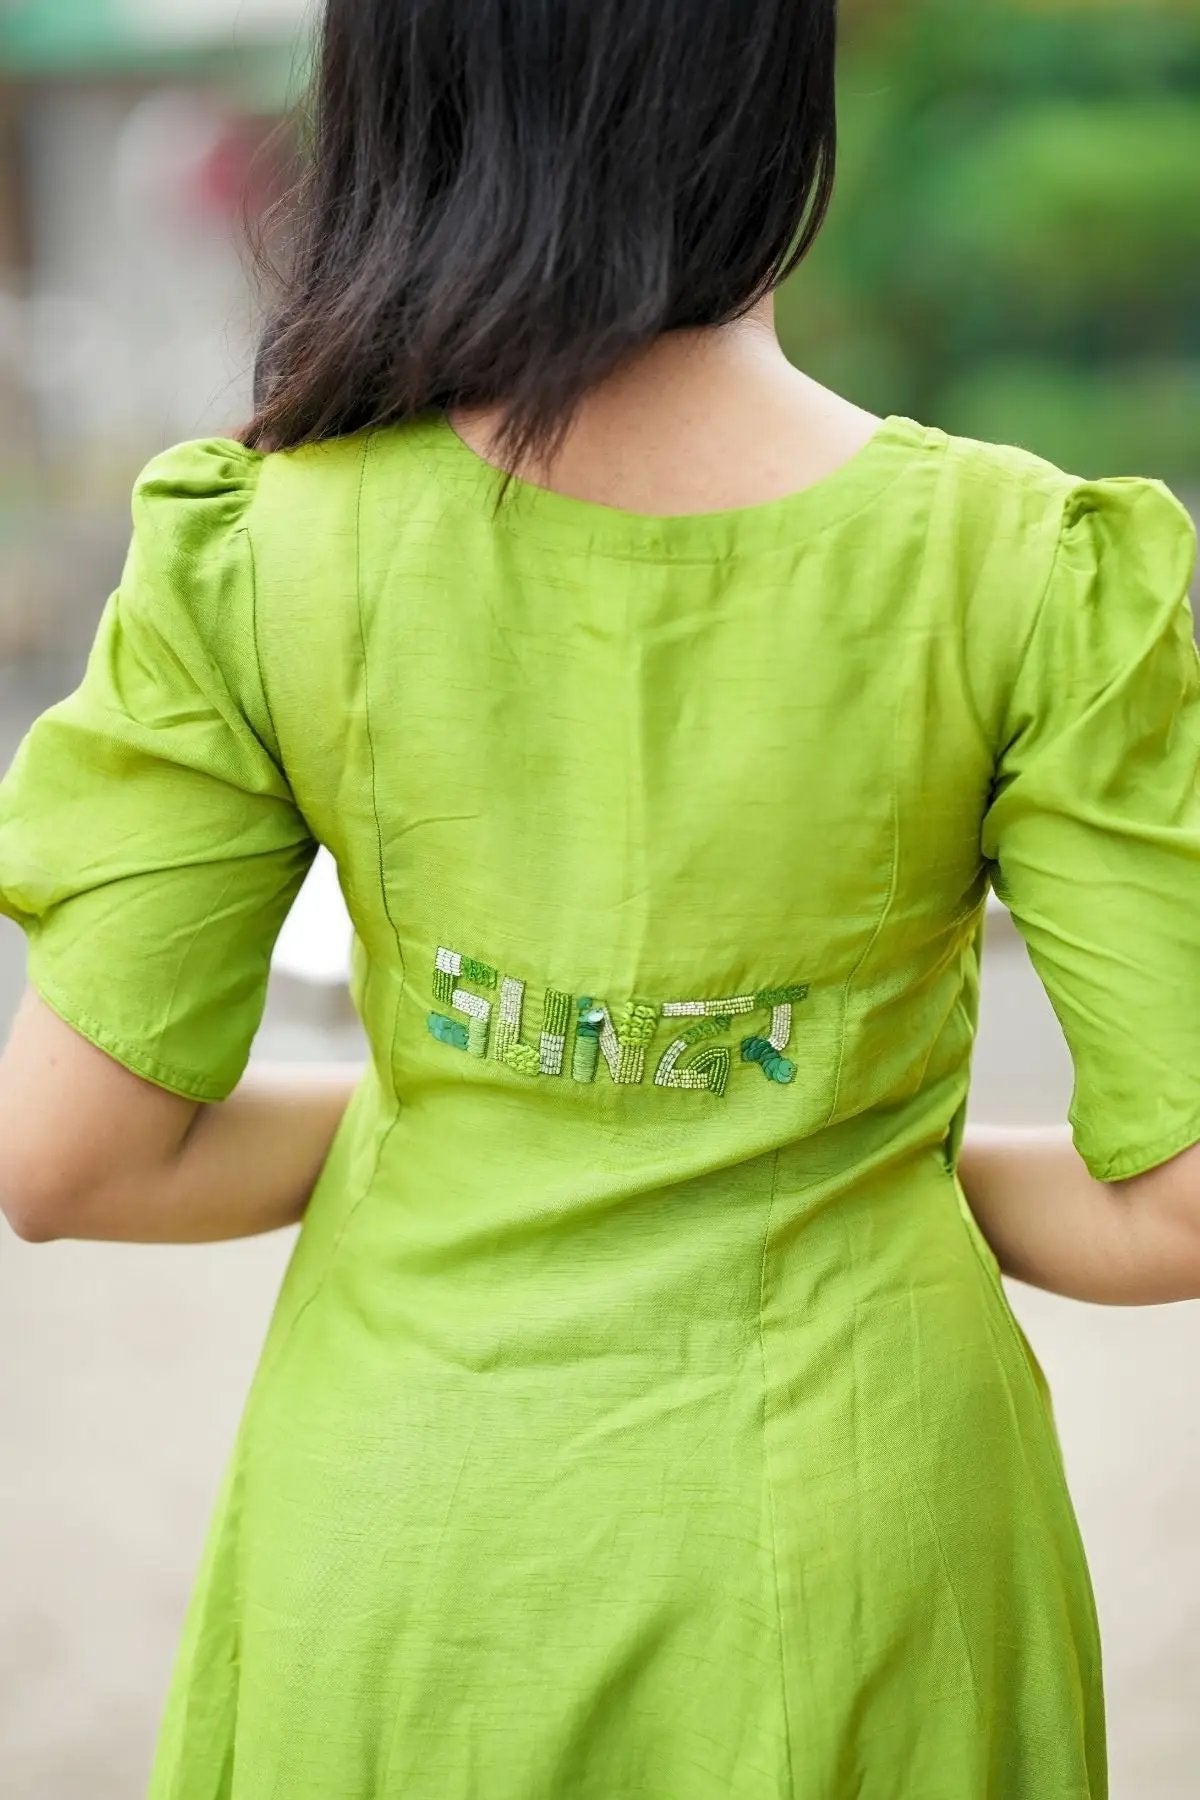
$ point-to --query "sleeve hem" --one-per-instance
(186, 1085)
(1124, 1165)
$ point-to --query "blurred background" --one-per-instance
(1015, 253)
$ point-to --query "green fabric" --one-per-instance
(642, 1413)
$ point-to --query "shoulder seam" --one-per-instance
(994, 461)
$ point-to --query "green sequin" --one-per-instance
(448, 1031)
(774, 1066)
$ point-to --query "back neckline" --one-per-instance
(592, 525)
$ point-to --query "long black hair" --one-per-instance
(505, 199)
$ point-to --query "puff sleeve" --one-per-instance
(1094, 824)
(150, 846)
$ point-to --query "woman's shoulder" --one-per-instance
(1008, 494)
(1039, 539)
(219, 518)
(195, 491)
(1022, 483)
(219, 479)
(1050, 567)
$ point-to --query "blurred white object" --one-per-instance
(314, 945)
(167, 137)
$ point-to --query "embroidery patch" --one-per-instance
(619, 1037)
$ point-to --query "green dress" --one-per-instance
(642, 1414)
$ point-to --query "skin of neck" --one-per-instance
(699, 420)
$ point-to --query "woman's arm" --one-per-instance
(89, 1150)
(1130, 1243)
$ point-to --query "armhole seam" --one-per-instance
(273, 747)
(1026, 651)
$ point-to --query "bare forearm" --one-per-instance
(1052, 1225)
(246, 1166)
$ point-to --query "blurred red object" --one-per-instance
(183, 155)
(243, 169)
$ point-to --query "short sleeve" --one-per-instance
(150, 846)
(1094, 825)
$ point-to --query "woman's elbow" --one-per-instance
(39, 1210)
(33, 1227)
(35, 1218)
(1162, 1208)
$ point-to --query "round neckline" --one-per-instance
(597, 527)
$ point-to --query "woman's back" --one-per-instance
(640, 1382)
(637, 1324)
(643, 1413)
(648, 762)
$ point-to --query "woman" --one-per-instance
(642, 1413)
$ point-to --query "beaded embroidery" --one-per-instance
(504, 1043)
(710, 1069)
(473, 1035)
(622, 1036)
(556, 1016)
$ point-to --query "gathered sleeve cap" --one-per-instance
(150, 846)
(1094, 823)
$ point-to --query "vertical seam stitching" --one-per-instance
(362, 639)
(889, 900)
(762, 1352)
(383, 894)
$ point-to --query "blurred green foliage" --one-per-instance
(1015, 247)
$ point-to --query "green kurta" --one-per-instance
(642, 1414)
